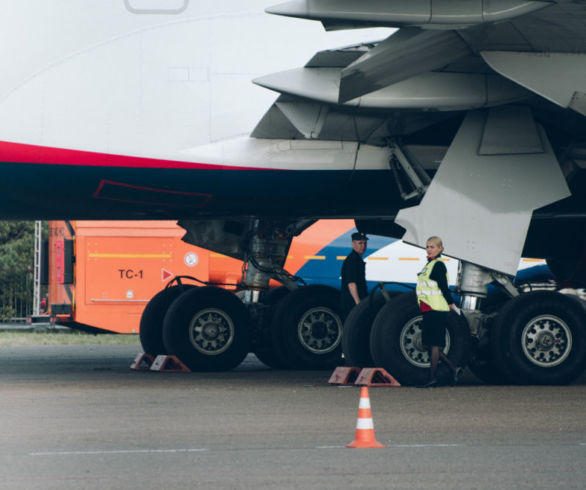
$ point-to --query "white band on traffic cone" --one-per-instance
(364, 424)
(364, 402)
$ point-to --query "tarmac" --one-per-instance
(76, 417)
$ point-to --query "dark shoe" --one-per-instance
(432, 383)
(457, 375)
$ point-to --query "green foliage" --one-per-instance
(16, 249)
(16, 268)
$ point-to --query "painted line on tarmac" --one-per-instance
(401, 446)
(117, 451)
(428, 445)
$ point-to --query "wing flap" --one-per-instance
(472, 195)
(427, 91)
(398, 13)
(559, 77)
(404, 54)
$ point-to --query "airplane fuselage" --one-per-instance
(49, 183)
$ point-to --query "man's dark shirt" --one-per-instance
(353, 270)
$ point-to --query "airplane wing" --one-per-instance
(434, 34)
(495, 90)
(473, 55)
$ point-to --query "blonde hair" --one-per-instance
(436, 241)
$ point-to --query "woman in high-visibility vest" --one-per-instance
(435, 302)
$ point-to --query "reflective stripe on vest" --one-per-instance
(428, 290)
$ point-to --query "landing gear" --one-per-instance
(291, 327)
(395, 342)
(208, 329)
(263, 345)
(482, 363)
(540, 338)
(357, 327)
(537, 337)
(151, 322)
(307, 328)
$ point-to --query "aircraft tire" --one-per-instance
(307, 328)
(263, 346)
(208, 329)
(151, 321)
(395, 342)
(357, 326)
(540, 338)
(482, 362)
(483, 366)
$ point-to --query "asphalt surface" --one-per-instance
(76, 417)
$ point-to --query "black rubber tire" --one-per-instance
(484, 367)
(294, 314)
(263, 346)
(356, 338)
(151, 321)
(218, 311)
(562, 356)
(399, 321)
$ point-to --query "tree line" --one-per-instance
(16, 269)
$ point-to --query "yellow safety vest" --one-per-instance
(428, 291)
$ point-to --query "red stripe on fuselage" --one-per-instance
(23, 153)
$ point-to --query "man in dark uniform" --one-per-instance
(353, 274)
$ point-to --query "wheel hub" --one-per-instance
(320, 330)
(211, 331)
(546, 341)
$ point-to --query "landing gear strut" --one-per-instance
(210, 328)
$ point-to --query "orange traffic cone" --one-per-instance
(364, 437)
